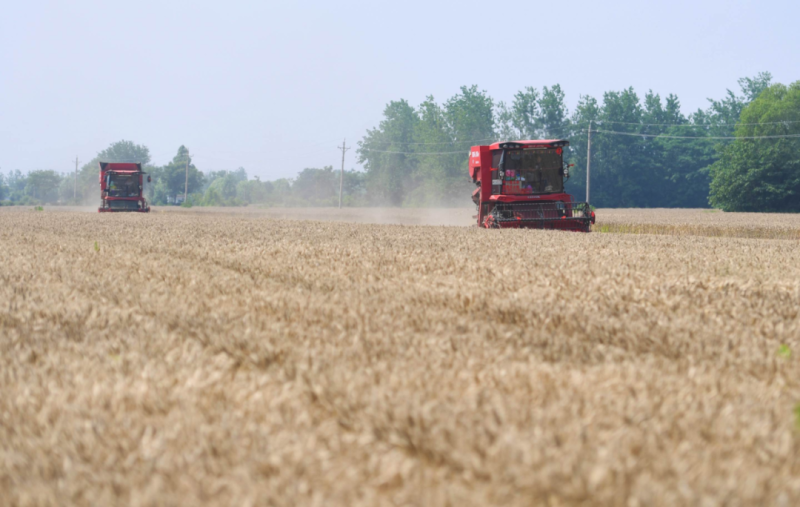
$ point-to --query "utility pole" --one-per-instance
(186, 184)
(75, 190)
(588, 161)
(344, 149)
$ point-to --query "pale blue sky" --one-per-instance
(274, 87)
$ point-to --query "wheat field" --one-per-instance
(193, 357)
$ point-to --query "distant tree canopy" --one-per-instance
(762, 174)
(43, 185)
(418, 156)
(125, 151)
(170, 181)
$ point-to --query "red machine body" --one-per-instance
(122, 187)
(521, 185)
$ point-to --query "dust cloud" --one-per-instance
(401, 216)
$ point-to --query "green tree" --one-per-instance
(125, 151)
(525, 114)
(433, 139)
(281, 191)
(588, 110)
(553, 116)
(89, 182)
(470, 120)
(762, 174)
(729, 109)
(638, 171)
(16, 183)
(681, 164)
(504, 123)
(43, 185)
(223, 188)
(254, 191)
(170, 180)
(317, 186)
(354, 192)
(67, 188)
(618, 174)
(470, 115)
(384, 152)
(630, 167)
(157, 191)
(237, 176)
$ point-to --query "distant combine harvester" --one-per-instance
(122, 187)
(521, 185)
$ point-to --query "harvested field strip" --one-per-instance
(698, 230)
(699, 222)
(227, 359)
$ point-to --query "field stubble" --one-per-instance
(225, 358)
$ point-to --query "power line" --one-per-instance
(711, 125)
(634, 134)
(680, 125)
(416, 152)
(437, 144)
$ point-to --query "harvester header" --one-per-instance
(521, 185)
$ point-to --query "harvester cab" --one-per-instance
(122, 187)
(520, 184)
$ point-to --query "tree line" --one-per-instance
(418, 155)
(645, 153)
(311, 187)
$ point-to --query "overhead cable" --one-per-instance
(634, 134)
(416, 152)
(682, 125)
(435, 144)
(710, 125)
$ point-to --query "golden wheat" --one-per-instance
(208, 358)
(674, 222)
(695, 222)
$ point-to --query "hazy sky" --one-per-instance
(275, 86)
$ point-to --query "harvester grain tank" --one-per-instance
(122, 187)
(520, 184)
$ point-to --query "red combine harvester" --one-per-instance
(521, 185)
(122, 187)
